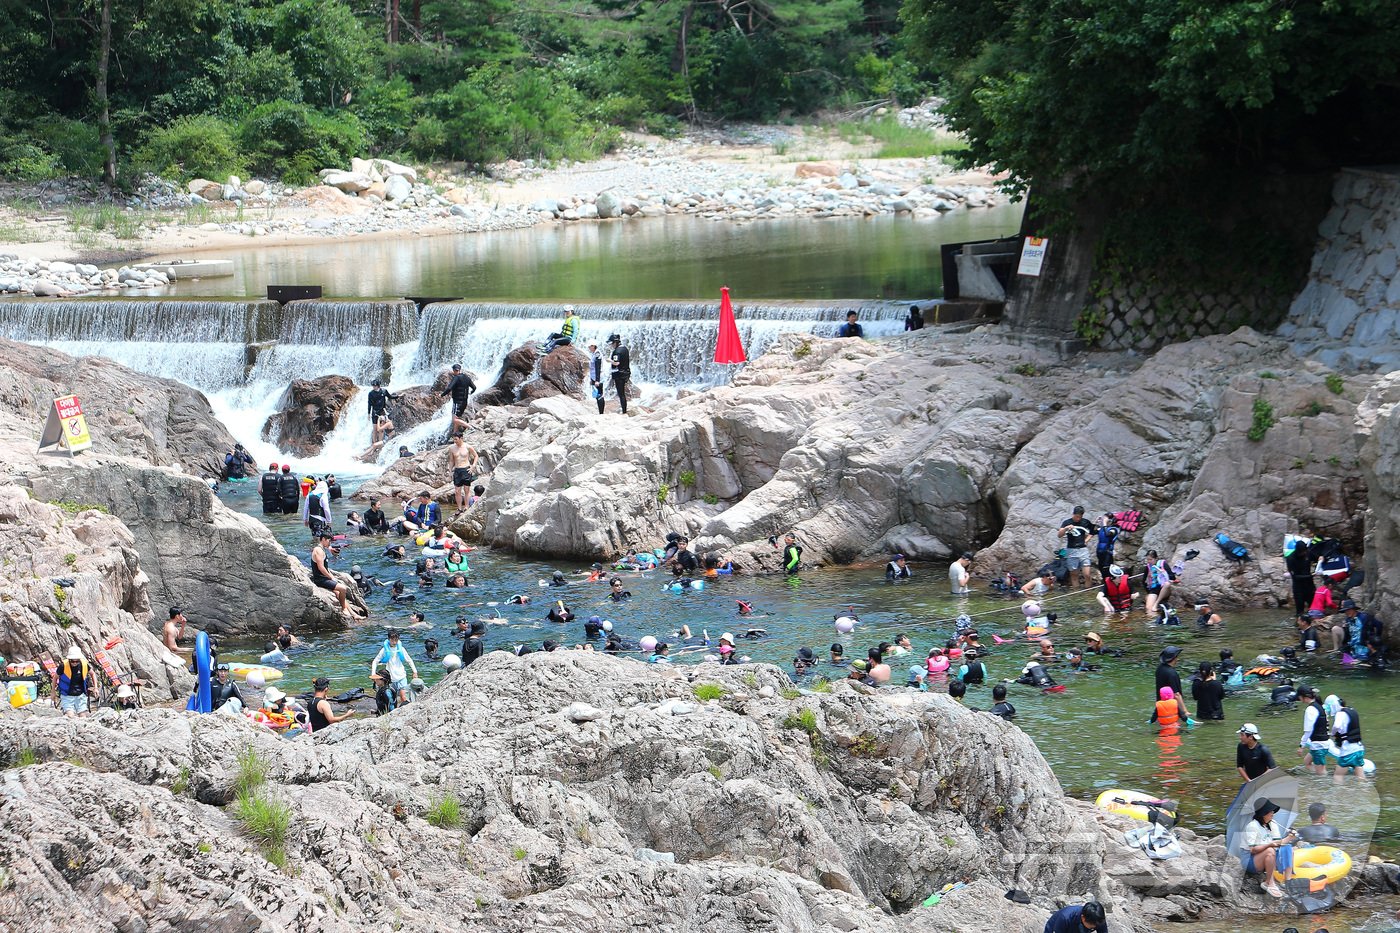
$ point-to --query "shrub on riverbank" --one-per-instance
(192, 147)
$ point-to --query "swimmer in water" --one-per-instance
(518, 600)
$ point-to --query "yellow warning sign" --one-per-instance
(66, 426)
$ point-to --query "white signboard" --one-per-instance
(1033, 255)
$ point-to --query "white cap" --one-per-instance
(1249, 728)
(75, 653)
(125, 691)
(607, 626)
(568, 309)
(727, 636)
(273, 695)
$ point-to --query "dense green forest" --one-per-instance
(284, 88)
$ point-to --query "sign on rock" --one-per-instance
(66, 426)
(1033, 255)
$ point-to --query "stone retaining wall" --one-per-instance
(1348, 313)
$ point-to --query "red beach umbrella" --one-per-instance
(729, 348)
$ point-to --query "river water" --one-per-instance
(1094, 734)
(657, 258)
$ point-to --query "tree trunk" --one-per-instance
(104, 115)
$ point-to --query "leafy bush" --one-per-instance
(388, 110)
(499, 113)
(1263, 420)
(293, 142)
(76, 145)
(256, 76)
(23, 160)
(192, 147)
(1335, 385)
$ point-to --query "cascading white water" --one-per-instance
(243, 354)
(672, 343)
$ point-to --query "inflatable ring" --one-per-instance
(434, 552)
(1320, 865)
(1127, 803)
(243, 670)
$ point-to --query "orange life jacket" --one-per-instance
(1167, 713)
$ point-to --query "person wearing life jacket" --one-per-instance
(224, 690)
(1297, 557)
(422, 513)
(1117, 594)
(1034, 674)
(1157, 581)
(792, 554)
(1105, 539)
(316, 510)
(395, 657)
(898, 569)
(1169, 711)
(973, 671)
(267, 488)
(75, 683)
(1346, 735)
(1315, 731)
(236, 463)
(289, 491)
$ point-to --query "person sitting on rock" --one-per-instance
(322, 577)
(568, 331)
(422, 513)
(125, 700)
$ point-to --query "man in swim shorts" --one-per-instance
(463, 460)
(321, 575)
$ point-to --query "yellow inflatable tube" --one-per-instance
(269, 674)
(1321, 865)
(1126, 803)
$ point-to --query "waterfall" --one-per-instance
(243, 354)
(672, 343)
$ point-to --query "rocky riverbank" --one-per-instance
(668, 799)
(779, 173)
(936, 443)
(117, 534)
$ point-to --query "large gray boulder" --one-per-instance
(308, 411)
(73, 577)
(838, 811)
(160, 421)
(223, 567)
(1378, 435)
(1172, 439)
